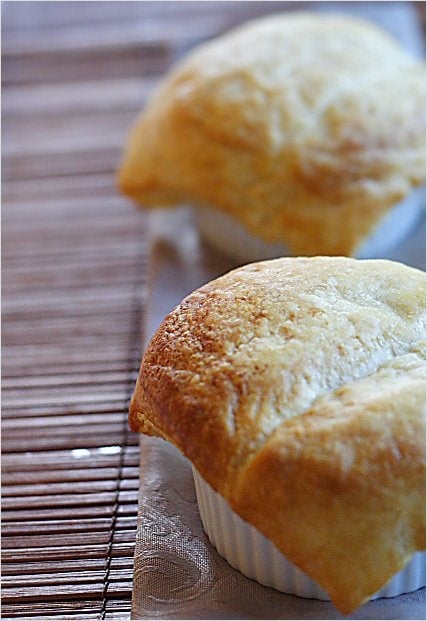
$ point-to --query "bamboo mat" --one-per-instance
(75, 258)
(74, 274)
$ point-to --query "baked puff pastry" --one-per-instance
(297, 387)
(304, 128)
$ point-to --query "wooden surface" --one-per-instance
(74, 291)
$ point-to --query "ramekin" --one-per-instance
(230, 238)
(255, 556)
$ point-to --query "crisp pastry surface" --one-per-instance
(306, 128)
(297, 389)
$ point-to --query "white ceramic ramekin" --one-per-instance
(230, 238)
(247, 550)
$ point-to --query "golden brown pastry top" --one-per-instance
(306, 128)
(296, 387)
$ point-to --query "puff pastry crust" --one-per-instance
(297, 389)
(306, 128)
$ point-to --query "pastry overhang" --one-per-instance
(297, 389)
(306, 128)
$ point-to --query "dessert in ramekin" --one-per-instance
(308, 130)
(296, 387)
